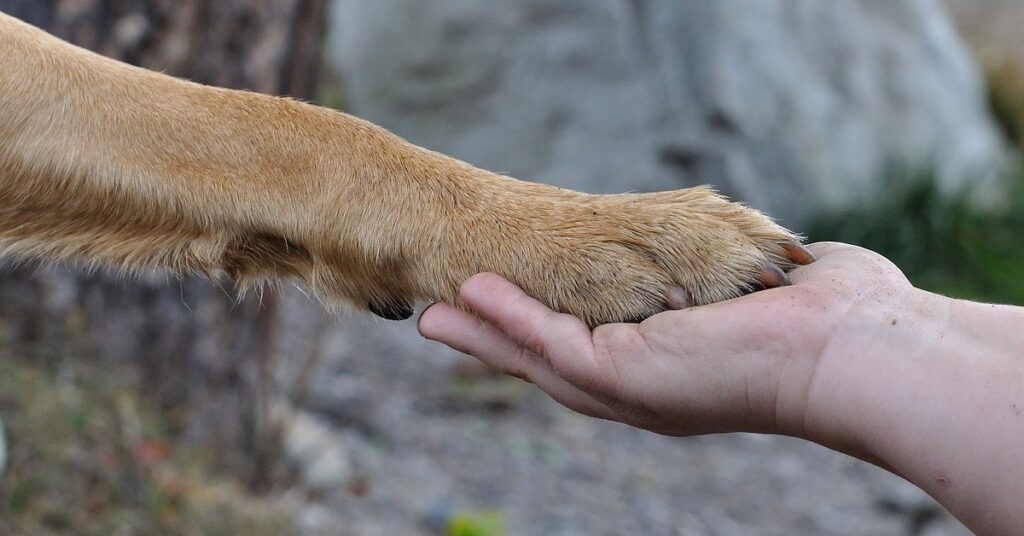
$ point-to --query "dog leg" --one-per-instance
(115, 165)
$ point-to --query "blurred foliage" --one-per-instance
(476, 524)
(330, 91)
(950, 244)
(88, 454)
(1006, 99)
(943, 243)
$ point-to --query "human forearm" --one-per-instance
(939, 389)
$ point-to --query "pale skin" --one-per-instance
(850, 356)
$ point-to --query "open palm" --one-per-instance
(747, 364)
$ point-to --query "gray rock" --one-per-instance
(793, 106)
(313, 448)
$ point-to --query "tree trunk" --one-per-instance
(204, 353)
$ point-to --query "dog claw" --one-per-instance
(677, 298)
(772, 276)
(798, 253)
(392, 310)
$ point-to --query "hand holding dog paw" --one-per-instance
(850, 356)
(743, 365)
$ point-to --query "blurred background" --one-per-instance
(167, 406)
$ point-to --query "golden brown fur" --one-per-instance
(119, 166)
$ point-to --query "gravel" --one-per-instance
(431, 436)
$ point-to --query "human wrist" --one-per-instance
(954, 431)
(936, 401)
(919, 385)
(877, 352)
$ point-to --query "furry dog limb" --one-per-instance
(115, 165)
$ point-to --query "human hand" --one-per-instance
(748, 364)
(850, 356)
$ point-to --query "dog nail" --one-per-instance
(676, 298)
(772, 276)
(392, 310)
(798, 253)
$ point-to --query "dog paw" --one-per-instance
(623, 258)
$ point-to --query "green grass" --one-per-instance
(943, 243)
(476, 524)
